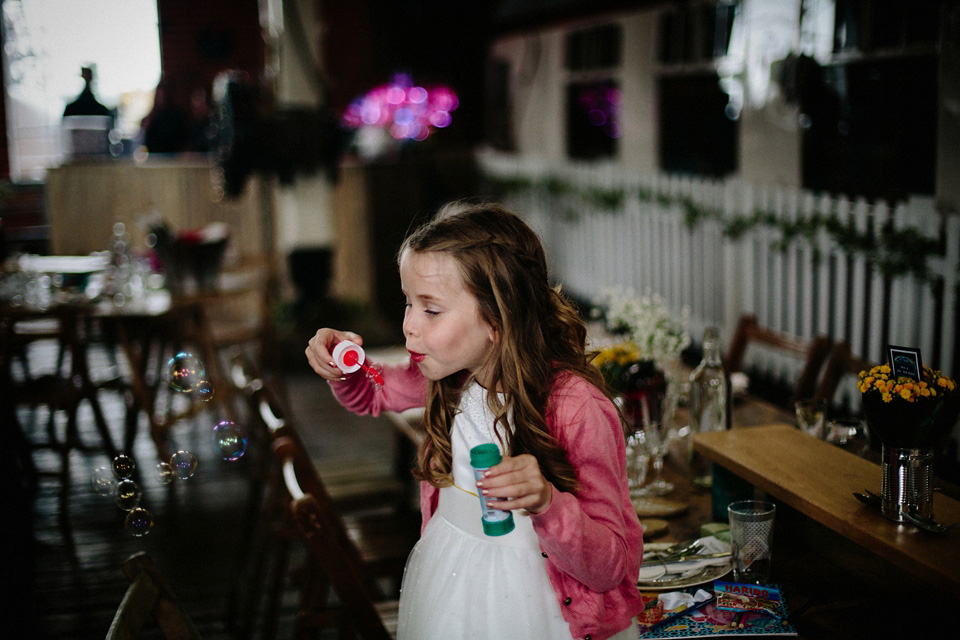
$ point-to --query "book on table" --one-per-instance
(726, 609)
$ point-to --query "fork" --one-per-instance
(667, 578)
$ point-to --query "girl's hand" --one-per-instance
(518, 479)
(319, 348)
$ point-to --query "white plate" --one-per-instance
(709, 575)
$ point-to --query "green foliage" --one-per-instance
(895, 252)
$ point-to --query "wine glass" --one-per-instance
(658, 437)
(810, 415)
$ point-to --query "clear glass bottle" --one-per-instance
(710, 408)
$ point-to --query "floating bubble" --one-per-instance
(184, 464)
(123, 466)
(230, 439)
(164, 473)
(184, 372)
(139, 522)
(128, 495)
(103, 481)
(204, 390)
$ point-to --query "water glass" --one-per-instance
(751, 539)
(810, 415)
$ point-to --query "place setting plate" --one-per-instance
(713, 559)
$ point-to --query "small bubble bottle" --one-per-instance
(495, 521)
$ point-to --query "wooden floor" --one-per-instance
(66, 583)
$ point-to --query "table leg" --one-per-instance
(143, 397)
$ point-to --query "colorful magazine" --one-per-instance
(733, 609)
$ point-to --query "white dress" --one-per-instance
(460, 583)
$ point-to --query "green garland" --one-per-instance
(897, 252)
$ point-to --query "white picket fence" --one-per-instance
(804, 287)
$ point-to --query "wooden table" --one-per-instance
(818, 479)
(143, 330)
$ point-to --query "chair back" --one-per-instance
(840, 364)
(327, 540)
(149, 596)
(811, 352)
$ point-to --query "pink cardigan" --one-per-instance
(592, 540)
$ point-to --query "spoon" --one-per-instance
(923, 522)
(928, 524)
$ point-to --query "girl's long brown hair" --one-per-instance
(502, 263)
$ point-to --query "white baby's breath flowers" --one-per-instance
(657, 333)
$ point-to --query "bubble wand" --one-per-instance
(349, 357)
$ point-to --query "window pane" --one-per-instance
(696, 136)
(46, 42)
(593, 119)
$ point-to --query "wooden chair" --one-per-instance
(60, 390)
(812, 353)
(354, 485)
(376, 519)
(239, 315)
(360, 615)
(840, 364)
(149, 596)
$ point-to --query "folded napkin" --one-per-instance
(653, 569)
(673, 599)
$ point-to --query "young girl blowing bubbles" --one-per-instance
(497, 355)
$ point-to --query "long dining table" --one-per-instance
(139, 331)
(845, 574)
(819, 480)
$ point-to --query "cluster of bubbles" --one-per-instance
(117, 481)
(184, 373)
(407, 111)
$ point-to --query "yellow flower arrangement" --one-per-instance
(904, 412)
(617, 355)
(878, 379)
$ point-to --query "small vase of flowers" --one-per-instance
(908, 417)
(645, 340)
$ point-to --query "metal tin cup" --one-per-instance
(906, 482)
(751, 539)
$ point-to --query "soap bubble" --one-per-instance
(204, 390)
(230, 439)
(103, 481)
(164, 473)
(128, 495)
(184, 464)
(184, 372)
(139, 522)
(123, 466)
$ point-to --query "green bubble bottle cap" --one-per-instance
(484, 456)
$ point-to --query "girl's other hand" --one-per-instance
(319, 349)
(520, 481)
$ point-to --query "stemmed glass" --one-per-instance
(810, 415)
(638, 461)
(658, 437)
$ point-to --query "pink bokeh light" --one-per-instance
(406, 110)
